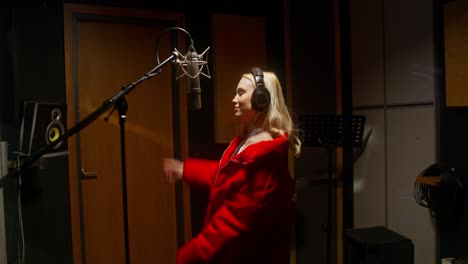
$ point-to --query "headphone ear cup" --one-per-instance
(260, 99)
(260, 96)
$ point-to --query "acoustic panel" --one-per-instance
(456, 53)
(367, 51)
(369, 172)
(239, 44)
(409, 51)
(411, 148)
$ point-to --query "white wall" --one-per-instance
(393, 86)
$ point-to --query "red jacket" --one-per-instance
(250, 210)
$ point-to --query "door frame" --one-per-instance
(72, 12)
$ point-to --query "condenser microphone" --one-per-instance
(192, 66)
(193, 81)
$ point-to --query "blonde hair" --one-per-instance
(278, 121)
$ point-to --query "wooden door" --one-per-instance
(107, 48)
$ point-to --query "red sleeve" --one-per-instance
(235, 216)
(200, 172)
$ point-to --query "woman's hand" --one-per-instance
(173, 169)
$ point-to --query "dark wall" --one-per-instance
(453, 226)
(6, 69)
(452, 130)
(33, 56)
(313, 91)
(313, 57)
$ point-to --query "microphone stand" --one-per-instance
(119, 103)
(122, 108)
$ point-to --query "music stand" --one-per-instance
(327, 130)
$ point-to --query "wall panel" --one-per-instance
(411, 148)
(369, 173)
(409, 51)
(367, 49)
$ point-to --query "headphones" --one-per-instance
(260, 96)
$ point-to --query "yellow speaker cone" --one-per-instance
(54, 134)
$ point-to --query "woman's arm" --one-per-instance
(200, 172)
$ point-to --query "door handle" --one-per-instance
(88, 175)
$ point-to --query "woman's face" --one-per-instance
(242, 101)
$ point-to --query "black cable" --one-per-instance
(440, 199)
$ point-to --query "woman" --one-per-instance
(251, 209)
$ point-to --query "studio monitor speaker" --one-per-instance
(42, 124)
(44, 189)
